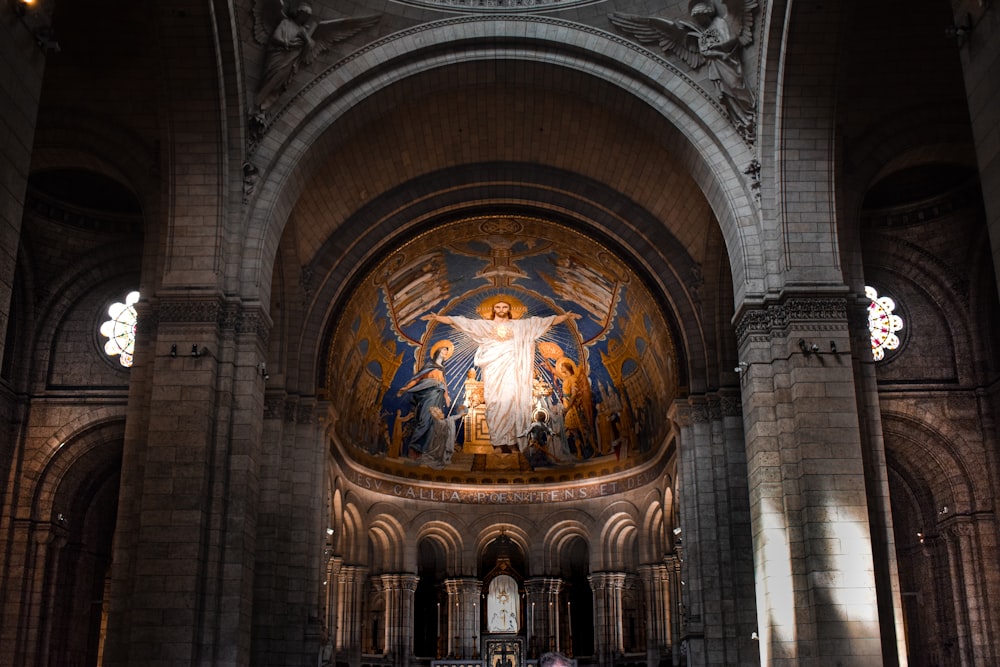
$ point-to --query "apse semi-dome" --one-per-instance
(501, 350)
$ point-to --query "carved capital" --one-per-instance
(353, 574)
(705, 409)
(654, 572)
(957, 530)
(274, 407)
(607, 580)
(404, 582)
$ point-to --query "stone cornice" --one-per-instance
(769, 320)
(226, 315)
(604, 486)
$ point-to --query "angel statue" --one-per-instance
(291, 44)
(707, 38)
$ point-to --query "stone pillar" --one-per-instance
(534, 589)
(542, 603)
(36, 573)
(678, 622)
(608, 640)
(956, 537)
(814, 565)
(334, 565)
(890, 599)
(463, 617)
(292, 549)
(183, 565)
(20, 92)
(399, 590)
(351, 584)
(968, 567)
(980, 54)
(655, 578)
(553, 615)
(717, 571)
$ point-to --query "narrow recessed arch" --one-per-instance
(443, 531)
(387, 533)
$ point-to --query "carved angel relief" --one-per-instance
(295, 42)
(714, 35)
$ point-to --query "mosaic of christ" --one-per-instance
(501, 344)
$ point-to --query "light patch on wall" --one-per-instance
(120, 330)
(882, 323)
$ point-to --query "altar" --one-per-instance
(503, 651)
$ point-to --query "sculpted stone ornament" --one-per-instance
(711, 37)
(293, 43)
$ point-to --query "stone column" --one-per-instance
(541, 611)
(655, 578)
(717, 570)
(534, 589)
(956, 537)
(351, 584)
(30, 630)
(20, 92)
(814, 565)
(678, 622)
(968, 568)
(980, 53)
(463, 617)
(183, 565)
(553, 614)
(399, 590)
(292, 550)
(333, 567)
(608, 640)
(890, 599)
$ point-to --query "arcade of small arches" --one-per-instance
(584, 581)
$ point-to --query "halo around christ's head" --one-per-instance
(517, 307)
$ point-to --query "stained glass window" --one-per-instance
(882, 323)
(120, 330)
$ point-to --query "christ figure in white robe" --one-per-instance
(506, 358)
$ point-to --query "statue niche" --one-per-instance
(503, 640)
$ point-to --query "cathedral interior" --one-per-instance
(371, 333)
